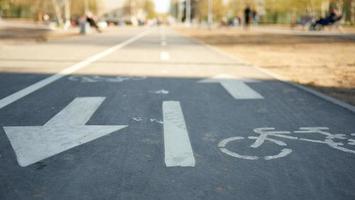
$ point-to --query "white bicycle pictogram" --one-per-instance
(269, 134)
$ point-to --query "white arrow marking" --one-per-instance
(64, 131)
(235, 87)
(178, 150)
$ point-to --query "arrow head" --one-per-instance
(35, 143)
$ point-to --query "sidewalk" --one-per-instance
(24, 31)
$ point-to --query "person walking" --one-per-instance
(247, 17)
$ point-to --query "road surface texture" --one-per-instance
(149, 114)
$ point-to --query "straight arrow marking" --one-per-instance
(235, 87)
(239, 90)
(177, 146)
(64, 131)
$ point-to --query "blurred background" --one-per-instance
(62, 13)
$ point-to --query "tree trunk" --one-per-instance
(58, 12)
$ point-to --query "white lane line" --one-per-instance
(163, 34)
(42, 83)
(164, 56)
(178, 150)
(64, 131)
(163, 43)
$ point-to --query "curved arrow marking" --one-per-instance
(64, 131)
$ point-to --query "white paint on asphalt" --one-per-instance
(96, 79)
(284, 152)
(40, 84)
(162, 34)
(164, 56)
(162, 91)
(137, 119)
(64, 131)
(163, 42)
(236, 88)
(178, 150)
(156, 121)
(223, 147)
(336, 141)
(351, 141)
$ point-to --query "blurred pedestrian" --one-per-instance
(90, 18)
(255, 17)
(333, 17)
(248, 14)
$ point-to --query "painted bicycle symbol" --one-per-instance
(269, 134)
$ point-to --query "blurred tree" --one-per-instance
(34, 8)
(349, 11)
(132, 8)
(219, 10)
(149, 8)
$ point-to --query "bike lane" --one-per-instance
(129, 163)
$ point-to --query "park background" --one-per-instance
(269, 11)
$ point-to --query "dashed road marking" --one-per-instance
(164, 56)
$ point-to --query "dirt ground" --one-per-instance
(325, 62)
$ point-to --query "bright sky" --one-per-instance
(162, 6)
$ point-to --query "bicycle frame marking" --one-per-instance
(264, 134)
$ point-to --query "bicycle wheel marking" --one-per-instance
(284, 152)
(222, 146)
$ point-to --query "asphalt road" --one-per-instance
(143, 113)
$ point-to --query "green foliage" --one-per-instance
(131, 7)
(149, 8)
(219, 10)
(31, 8)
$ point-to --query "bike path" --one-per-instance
(130, 163)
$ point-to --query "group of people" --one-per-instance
(334, 16)
(250, 16)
